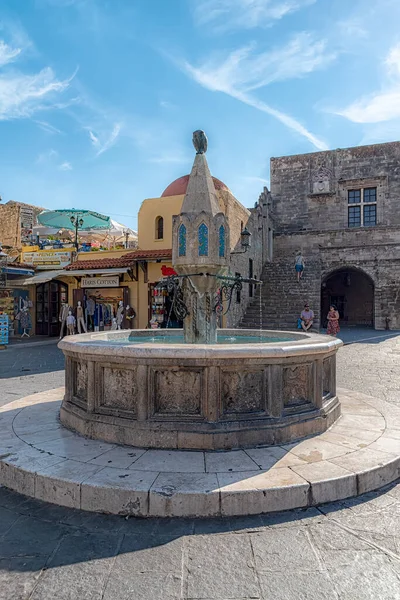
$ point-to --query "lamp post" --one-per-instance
(76, 222)
(245, 241)
(126, 233)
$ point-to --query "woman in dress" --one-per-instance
(333, 321)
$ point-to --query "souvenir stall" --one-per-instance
(161, 310)
(13, 298)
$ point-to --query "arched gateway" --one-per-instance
(352, 291)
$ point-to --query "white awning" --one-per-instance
(83, 272)
(42, 277)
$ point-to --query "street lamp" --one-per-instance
(245, 242)
(126, 233)
(76, 222)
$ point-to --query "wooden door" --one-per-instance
(77, 296)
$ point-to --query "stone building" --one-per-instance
(341, 209)
(16, 222)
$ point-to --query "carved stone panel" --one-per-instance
(242, 392)
(80, 376)
(327, 377)
(119, 388)
(296, 385)
(177, 391)
(321, 180)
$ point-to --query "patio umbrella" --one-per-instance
(116, 234)
(74, 219)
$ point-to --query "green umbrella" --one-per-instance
(72, 218)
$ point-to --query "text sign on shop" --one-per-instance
(99, 282)
(43, 260)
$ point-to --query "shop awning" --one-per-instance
(43, 277)
(83, 272)
(17, 271)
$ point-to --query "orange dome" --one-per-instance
(179, 186)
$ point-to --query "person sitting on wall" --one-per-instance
(299, 265)
(307, 317)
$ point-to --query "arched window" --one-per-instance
(221, 240)
(159, 228)
(203, 240)
(182, 240)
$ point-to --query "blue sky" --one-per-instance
(99, 98)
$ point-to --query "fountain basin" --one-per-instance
(197, 396)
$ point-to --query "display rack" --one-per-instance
(3, 329)
(157, 304)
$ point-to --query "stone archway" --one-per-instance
(352, 291)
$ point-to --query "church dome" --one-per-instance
(179, 186)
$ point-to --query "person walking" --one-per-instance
(333, 321)
(299, 265)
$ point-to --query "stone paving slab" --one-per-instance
(42, 459)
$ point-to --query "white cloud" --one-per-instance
(47, 127)
(46, 157)
(22, 95)
(108, 143)
(352, 28)
(94, 139)
(383, 105)
(65, 166)
(223, 15)
(168, 158)
(258, 179)
(8, 54)
(244, 71)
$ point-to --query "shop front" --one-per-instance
(50, 296)
(100, 298)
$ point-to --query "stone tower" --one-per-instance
(200, 249)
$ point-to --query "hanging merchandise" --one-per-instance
(25, 321)
(3, 329)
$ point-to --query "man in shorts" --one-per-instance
(299, 265)
(307, 317)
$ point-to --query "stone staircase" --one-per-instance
(282, 297)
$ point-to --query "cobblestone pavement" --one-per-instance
(347, 550)
(29, 368)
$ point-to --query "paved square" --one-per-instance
(347, 550)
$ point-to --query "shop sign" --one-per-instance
(48, 260)
(100, 282)
(27, 220)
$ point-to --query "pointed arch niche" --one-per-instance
(182, 240)
(221, 241)
(203, 239)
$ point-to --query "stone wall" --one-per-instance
(310, 190)
(310, 206)
(250, 263)
(10, 222)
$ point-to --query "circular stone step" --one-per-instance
(42, 459)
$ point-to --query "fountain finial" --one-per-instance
(200, 141)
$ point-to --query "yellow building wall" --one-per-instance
(150, 209)
(93, 255)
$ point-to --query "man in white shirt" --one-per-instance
(307, 317)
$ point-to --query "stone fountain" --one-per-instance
(162, 389)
